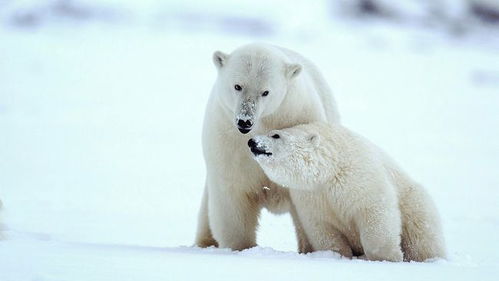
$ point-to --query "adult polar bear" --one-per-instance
(259, 88)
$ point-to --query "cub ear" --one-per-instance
(315, 139)
(219, 59)
(292, 70)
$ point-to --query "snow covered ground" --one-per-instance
(101, 171)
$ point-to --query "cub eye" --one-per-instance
(266, 93)
(276, 136)
(238, 87)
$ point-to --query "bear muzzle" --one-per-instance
(244, 126)
(256, 150)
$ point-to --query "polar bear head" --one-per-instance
(293, 157)
(252, 83)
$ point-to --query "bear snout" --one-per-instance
(257, 150)
(251, 143)
(244, 126)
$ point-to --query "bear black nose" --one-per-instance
(251, 143)
(244, 124)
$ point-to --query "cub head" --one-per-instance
(252, 82)
(291, 157)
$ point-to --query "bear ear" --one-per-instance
(219, 59)
(292, 70)
(315, 139)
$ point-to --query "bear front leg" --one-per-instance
(324, 237)
(204, 237)
(380, 229)
(304, 245)
(319, 234)
(233, 218)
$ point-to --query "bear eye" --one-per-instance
(266, 93)
(276, 136)
(238, 87)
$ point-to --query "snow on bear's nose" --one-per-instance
(257, 149)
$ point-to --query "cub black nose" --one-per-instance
(251, 143)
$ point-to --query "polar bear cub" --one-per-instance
(351, 197)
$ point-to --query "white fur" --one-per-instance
(350, 196)
(234, 191)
